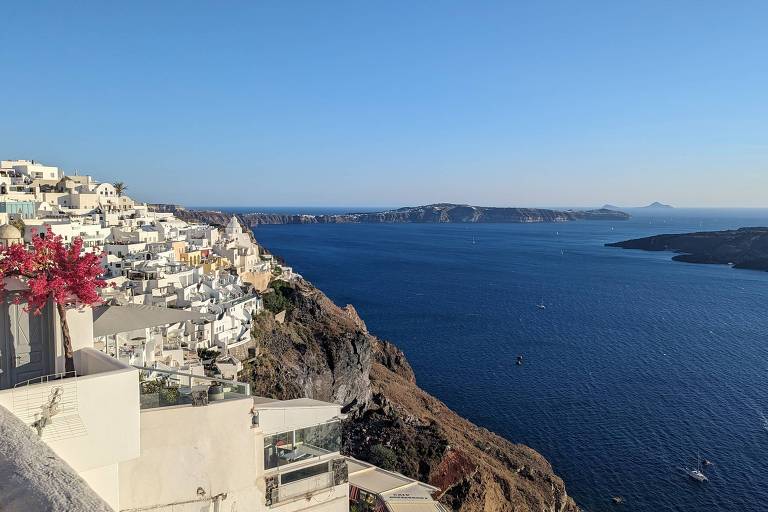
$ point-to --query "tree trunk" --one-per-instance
(69, 360)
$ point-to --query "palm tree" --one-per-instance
(119, 188)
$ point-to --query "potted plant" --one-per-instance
(169, 395)
(150, 387)
(215, 392)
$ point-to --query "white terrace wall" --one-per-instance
(106, 430)
(184, 448)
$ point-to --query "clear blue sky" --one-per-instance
(394, 103)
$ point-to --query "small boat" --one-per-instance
(697, 474)
(617, 500)
(706, 462)
(519, 360)
(541, 305)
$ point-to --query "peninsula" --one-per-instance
(433, 213)
(742, 248)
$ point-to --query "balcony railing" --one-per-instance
(165, 388)
(302, 488)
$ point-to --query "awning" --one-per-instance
(415, 497)
(430, 506)
(398, 492)
(117, 319)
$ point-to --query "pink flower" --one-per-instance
(52, 270)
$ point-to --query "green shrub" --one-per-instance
(150, 387)
(207, 353)
(169, 396)
(18, 224)
(279, 298)
(384, 457)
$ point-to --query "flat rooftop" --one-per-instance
(261, 402)
(399, 493)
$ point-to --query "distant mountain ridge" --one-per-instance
(433, 213)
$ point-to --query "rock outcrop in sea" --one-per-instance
(324, 351)
(742, 248)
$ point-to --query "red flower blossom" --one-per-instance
(52, 270)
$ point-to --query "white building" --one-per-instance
(105, 190)
(33, 170)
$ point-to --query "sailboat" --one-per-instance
(697, 474)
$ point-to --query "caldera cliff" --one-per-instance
(325, 352)
(433, 213)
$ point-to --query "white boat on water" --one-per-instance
(541, 305)
(697, 474)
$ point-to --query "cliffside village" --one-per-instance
(158, 414)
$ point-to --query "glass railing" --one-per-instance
(303, 488)
(301, 445)
(165, 388)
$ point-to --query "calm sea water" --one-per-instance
(636, 363)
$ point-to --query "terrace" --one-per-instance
(164, 388)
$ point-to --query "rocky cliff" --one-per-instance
(325, 352)
(743, 248)
(435, 213)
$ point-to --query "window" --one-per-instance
(301, 474)
(301, 445)
(272, 447)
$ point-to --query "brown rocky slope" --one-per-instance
(325, 352)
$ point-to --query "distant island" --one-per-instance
(741, 248)
(659, 205)
(433, 213)
(653, 206)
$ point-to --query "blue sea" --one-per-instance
(637, 363)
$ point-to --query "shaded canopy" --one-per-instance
(399, 493)
(116, 319)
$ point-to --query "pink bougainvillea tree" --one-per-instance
(54, 271)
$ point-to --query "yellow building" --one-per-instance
(192, 258)
(259, 280)
(214, 263)
(178, 249)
